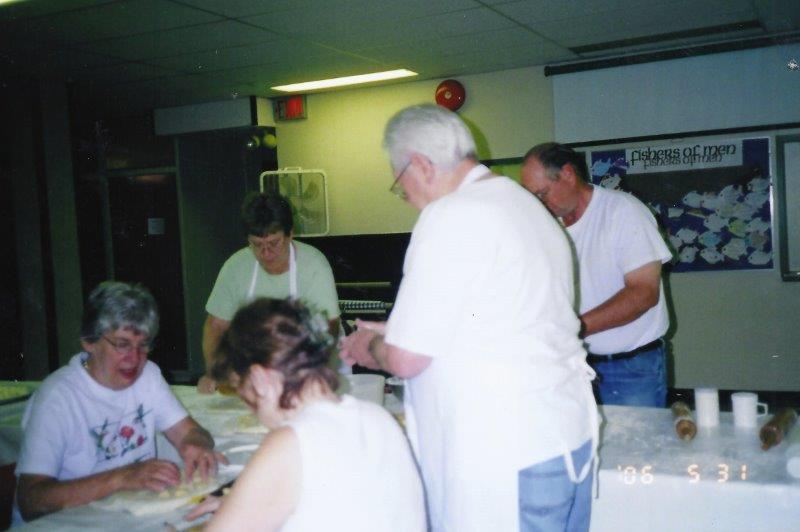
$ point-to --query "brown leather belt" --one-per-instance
(592, 358)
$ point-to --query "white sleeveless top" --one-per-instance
(358, 473)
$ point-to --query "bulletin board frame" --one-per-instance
(712, 197)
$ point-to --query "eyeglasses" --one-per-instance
(266, 245)
(396, 188)
(125, 347)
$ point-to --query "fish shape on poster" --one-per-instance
(715, 223)
(612, 182)
(709, 239)
(758, 184)
(688, 254)
(744, 211)
(756, 199)
(710, 201)
(756, 240)
(711, 255)
(757, 225)
(693, 199)
(738, 227)
(759, 258)
(735, 248)
(725, 210)
(687, 235)
(730, 194)
(601, 167)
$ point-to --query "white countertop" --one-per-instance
(649, 479)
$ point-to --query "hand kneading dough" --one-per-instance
(147, 502)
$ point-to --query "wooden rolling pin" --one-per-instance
(775, 429)
(684, 424)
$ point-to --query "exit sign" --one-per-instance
(289, 108)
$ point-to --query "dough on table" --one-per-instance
(146, 502)
(249, 424)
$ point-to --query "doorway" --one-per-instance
(147, 249)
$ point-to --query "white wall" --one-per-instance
(735, 89)
(508, 111)
(734, 330)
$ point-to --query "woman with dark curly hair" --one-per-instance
(328, 462)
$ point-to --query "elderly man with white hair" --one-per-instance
(499, 407)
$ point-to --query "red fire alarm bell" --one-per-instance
(450, 94)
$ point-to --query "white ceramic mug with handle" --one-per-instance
(747, 409)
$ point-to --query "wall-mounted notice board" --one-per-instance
(712, 198)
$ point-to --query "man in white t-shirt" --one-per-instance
(620, 252)
(498, 401)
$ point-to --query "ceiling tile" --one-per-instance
(283, 50)
(527, 11)
(128, 72)
(356, 25)
(443, 25)
(609, 26)
(128, 17)
(313, 68)
(243, 8)
(29, 9)
(204, 37)
(494, 42)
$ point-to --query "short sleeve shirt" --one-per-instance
(315, 284)
(616, 235)
(75, 427)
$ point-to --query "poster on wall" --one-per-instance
(712, 198)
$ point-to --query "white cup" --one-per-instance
(365, 386)
(746, 409)
(706, 404)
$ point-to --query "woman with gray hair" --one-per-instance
(90, 428)
(498, 402)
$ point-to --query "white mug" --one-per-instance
(706, 404)
(746, 409)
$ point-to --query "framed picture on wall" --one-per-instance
(711, 197)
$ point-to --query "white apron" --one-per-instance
(292, 275)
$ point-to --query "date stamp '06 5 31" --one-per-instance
(646, 474)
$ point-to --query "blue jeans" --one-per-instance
(637, 381)
(550, 501)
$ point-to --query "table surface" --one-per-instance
(648, 479)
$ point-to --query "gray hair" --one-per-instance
(432, 131)
(113, 305)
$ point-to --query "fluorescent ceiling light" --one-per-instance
(347, 80)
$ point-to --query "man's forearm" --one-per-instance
(622, 308)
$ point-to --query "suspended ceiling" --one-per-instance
(141, 54)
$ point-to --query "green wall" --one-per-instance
(508, 111)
